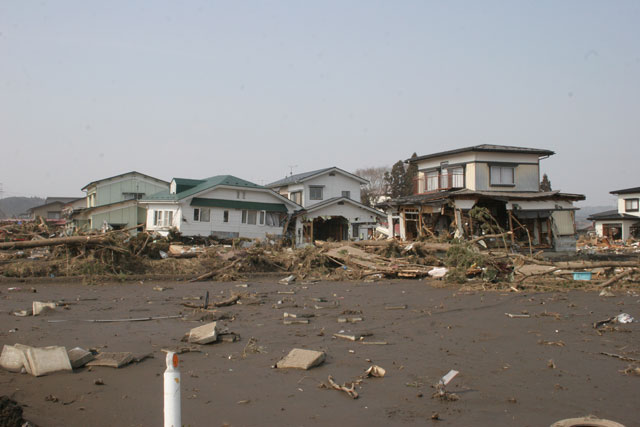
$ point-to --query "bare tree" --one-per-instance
(371, 193)
(545, 185)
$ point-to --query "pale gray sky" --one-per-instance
(90, 89)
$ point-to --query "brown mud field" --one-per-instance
(514, 371)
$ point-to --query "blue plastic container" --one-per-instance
(581, 275)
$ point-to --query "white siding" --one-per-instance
(188, 227)
(333, 186)
(621, 203)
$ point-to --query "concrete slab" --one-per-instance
(12, 359)
(299, 358)
(79, 357)
(112, 359)
(46, 360)
(43, 307)
(204, 334)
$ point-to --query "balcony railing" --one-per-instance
(443, 181)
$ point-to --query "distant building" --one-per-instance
(624, 222)
(52, 208)
(114, 202)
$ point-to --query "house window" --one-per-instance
(132, 196)
(56, 215)
(456, 177)
(631, 205)
(249, 217)
(315, 193)
(273, 219)
(432, 181)
(241, 194)
(262, 214)
(202, 215)
(502, 175)
(346, 194)
(296, 197)
(163, 218)
(225, 216)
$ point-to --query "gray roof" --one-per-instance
(613, 214)
(62, 199)
(294, 179)
(627, 191)
(124, 174)
(487, 148)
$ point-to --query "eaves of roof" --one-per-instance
(627, 191)
(486, 148)
(298, 178)
(336, 200)
(121, 175)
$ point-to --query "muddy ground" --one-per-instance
(513, 371)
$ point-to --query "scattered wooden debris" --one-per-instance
(351, 391)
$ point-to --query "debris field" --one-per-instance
(380, 352)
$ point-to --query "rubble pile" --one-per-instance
(43, 250)
(592, 245)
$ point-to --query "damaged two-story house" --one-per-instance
(503, 179)
(331, 201)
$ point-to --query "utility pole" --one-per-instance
(0, 190)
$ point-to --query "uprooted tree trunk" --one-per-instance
(73, 240)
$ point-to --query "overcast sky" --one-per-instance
(91, 89)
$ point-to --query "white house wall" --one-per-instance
(333, 186)
(153, 207)
(217, 226)
(621, 203)
(624, 225)
(184, 215)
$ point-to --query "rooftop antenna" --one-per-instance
(291, 169)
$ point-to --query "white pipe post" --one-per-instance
(172, 410)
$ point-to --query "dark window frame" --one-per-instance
(627, 201)
(316, 188)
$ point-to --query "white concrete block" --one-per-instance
(204, 334)
(299, 358)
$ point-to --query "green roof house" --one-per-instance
(223, 206)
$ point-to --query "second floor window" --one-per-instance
(132, 196)
(296, 197)
(346, 194)
(502, 175)
(432, 181)
(631, 205)
(315, 193)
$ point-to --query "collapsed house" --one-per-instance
(505, 180)
(622, 223)
(331, 201)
